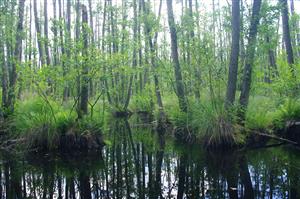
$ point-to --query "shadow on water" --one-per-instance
(142, 163)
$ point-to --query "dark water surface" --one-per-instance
(139, 163)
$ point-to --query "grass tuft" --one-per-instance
(210, 122)
(43, 123)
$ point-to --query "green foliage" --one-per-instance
(90, 124)
(143, 101)
(267, 114)
(260, 113)
(209, 121)
(288, 111)
(123, 54)
(42, 122)
(286, 84)
(39, 121)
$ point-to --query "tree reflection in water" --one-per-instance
(142, 163)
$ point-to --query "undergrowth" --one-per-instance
(215, 126)
(266, 114)
(209, 122)
(42, 122)
(142, 101)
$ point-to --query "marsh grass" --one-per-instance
(142, 102)
(209, 122)
(43, 123)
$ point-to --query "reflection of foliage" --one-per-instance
(277, 164)
(276, 167)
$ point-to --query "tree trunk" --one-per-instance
(4, 76)
(85, 80)
(174, 51)
(134, 58)
(91, 21)
(250, 52)
(30, 36)
(295, 28)
(17, 57)
(55, 46)
(68, 47)
(46, 33)
(77, 52)
(103, 49)
(91, 85)
(272, 60)
(286, 34)
(38, 31)
(196, 70)
(242, 36)
(152, 56)
(234, 56)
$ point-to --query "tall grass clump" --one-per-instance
(41, 121)
(142, 102)
(209, 122)
(216, 126)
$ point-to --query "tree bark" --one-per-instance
(91, 21)
(103, 49)
(273, 72)
(295, 28)
(234, 56)
(152, 56)
(17, 56)
(91, 85)
(196, 69)
(134, 54)
(249, 60)
(287, 34)
(85, 80)
(77, 52)
(48, 59)
(68, 47)
(38, 31)
(4, 76)
(55, 46)
(174, 51)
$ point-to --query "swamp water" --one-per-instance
(140, 163)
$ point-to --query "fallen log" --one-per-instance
(276, 138)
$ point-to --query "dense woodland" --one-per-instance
(214, 70)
